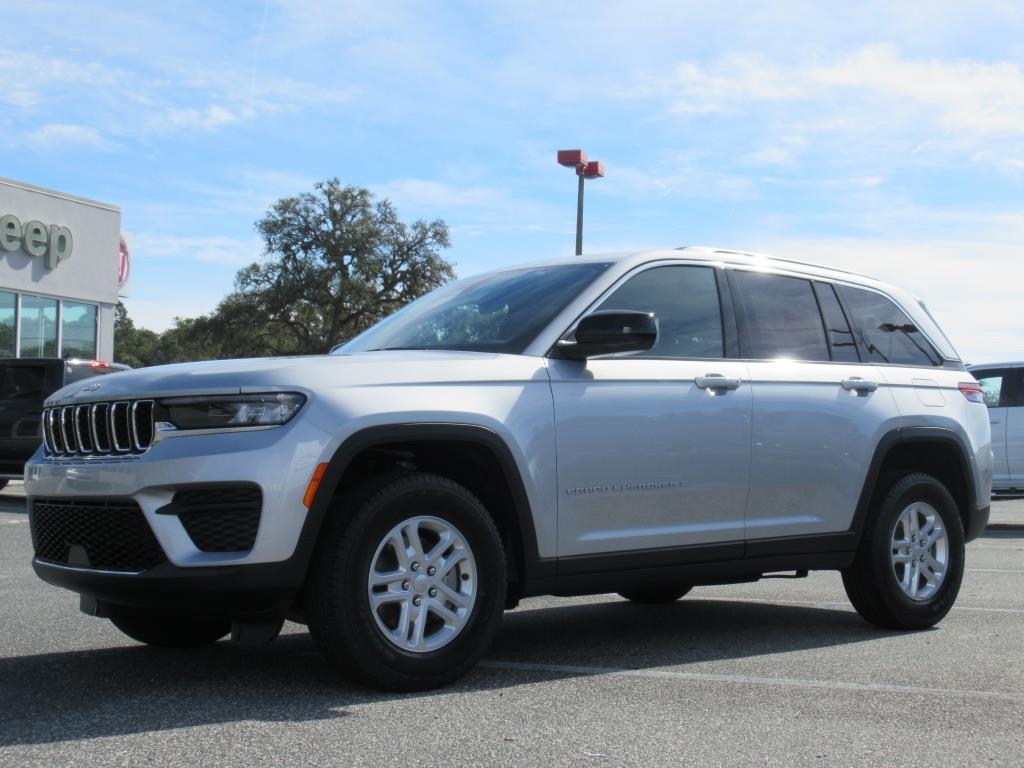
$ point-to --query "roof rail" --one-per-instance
(753, 255)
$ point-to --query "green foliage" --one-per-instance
(133, 346)
(336, 261)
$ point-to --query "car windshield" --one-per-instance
(497, 312)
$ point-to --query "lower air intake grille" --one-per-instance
(90, 533)
(219, 519)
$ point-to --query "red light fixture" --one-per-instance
(585, 169)
(572, 158)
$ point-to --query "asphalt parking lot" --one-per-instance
(781, 672)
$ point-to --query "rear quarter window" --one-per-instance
(884, 331)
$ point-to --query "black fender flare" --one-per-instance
(903, 436)
(373, 436)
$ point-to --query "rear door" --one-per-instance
(818, 410)
(996, 385)
(24, 384)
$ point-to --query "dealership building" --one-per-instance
(62, 265)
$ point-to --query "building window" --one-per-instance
(8, 307)
(38, 326)
(78, 329)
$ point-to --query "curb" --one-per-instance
(1018, 527)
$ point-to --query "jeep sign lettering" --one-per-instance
(54, 243)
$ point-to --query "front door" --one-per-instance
(653, 449)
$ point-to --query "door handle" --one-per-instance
(715, 381)
(857, 384)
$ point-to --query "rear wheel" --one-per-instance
(910, 563)
(408, 583)
(173, 631)
(656, 595)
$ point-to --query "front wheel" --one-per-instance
(408, 583)
(910, 563)
(173, 631)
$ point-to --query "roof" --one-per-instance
(57, 194)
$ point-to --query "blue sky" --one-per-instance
(883, 137)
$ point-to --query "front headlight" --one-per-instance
(231, 411)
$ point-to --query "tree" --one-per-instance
(338, 261)
(136, 347)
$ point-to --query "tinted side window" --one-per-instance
(887, 335)
(782, 317)
(994, 386)
(840, 338)
(685, 302)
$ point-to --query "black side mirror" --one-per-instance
(603, 333)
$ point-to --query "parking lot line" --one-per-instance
(780, 682)
(841, 605)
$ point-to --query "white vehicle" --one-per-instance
(640, 423)
(1003, 387)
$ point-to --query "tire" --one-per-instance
(392, 646)
(656, 595)
(174, 631)
(873, 582)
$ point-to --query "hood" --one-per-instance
(303, 374)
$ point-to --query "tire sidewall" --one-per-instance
(370, 647)
(927, 612)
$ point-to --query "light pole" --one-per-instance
(577, 158)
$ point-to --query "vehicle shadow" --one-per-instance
(66, 696)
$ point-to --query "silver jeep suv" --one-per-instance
(640, 424)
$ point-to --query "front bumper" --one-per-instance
(243, 591)
(280, 461)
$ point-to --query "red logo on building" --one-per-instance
(124, 272)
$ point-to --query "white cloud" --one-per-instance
(229, 251)
(158, 98)
(423, 192)
(62, 136)
(470, 205)
(922, 106)
(208, 119)
(30, 79)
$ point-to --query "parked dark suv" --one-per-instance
(24, 384)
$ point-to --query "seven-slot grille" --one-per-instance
(120, 428)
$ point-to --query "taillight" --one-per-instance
(973, 392)
(99, 364)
